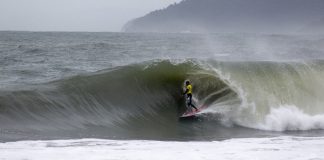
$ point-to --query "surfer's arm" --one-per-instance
(185, 92)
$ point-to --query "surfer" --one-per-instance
(188, 92)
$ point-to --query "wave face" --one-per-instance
(144, 101)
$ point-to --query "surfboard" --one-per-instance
(192, 112)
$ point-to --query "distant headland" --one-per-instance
(234, 16)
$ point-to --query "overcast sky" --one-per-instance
(74, 15)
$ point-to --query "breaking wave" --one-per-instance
(145, 99)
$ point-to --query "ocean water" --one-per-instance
(69, 95)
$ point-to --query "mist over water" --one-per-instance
(128, 86)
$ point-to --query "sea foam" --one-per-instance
(280, 148)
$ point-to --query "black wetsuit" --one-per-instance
(189, 96)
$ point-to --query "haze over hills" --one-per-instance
(232, 16)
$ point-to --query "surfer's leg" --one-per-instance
(190, 102)
(194, 107)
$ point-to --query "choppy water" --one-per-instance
(128, 86)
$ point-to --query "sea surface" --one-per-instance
(118, 96)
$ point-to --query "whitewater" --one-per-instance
(118, 96)
(280, 148)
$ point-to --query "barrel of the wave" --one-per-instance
(192, 110)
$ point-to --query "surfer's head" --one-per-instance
(187, 82)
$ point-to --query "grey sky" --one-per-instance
(73, 15)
